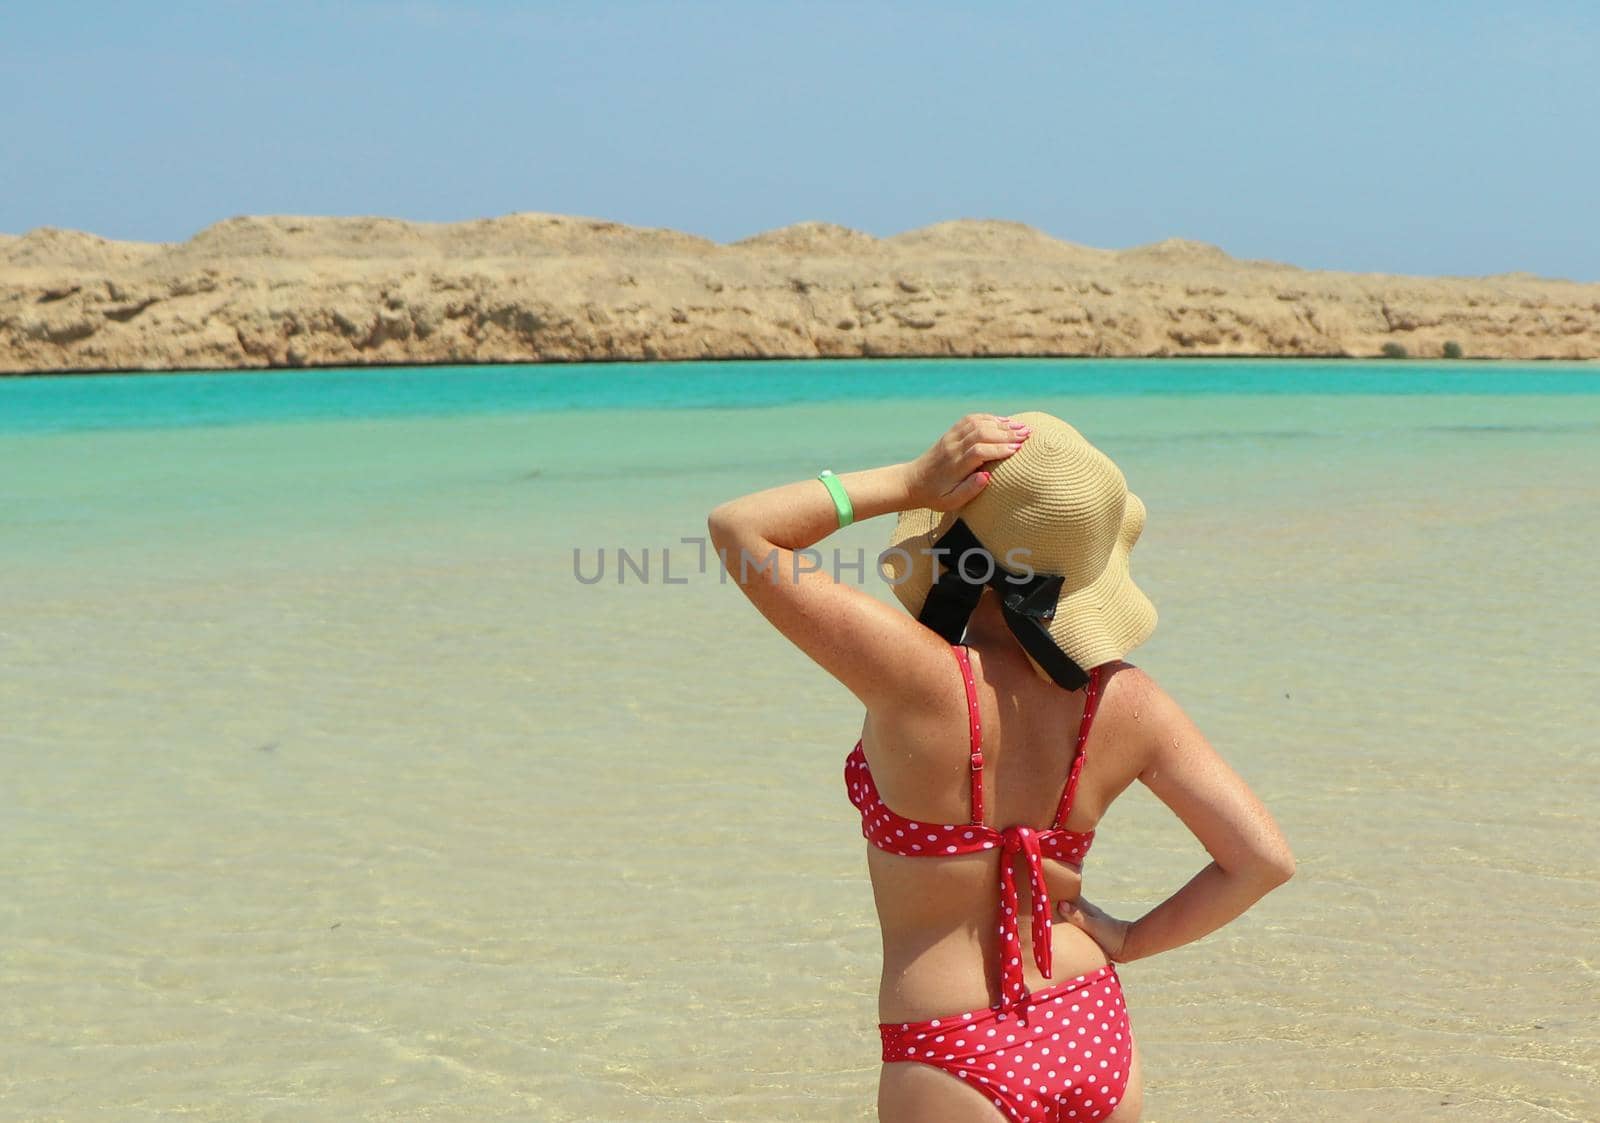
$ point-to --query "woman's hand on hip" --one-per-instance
(1103, 928)
(949, 474)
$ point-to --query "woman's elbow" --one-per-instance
(1282, 868)
(719, 524)
(1263, 867)
(1273, 868)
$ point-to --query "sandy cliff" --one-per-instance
(279, 291)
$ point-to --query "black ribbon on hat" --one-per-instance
(1025, 602)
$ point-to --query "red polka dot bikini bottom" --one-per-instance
(1062, 1054)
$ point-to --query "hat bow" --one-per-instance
(1025, 602)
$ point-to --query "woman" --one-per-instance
(1014, 536)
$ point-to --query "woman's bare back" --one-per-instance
(940, 941)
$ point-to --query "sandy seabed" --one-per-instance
(332, 795)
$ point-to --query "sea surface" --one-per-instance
(334, 787)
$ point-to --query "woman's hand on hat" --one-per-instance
(1103, 928)
(951, 473)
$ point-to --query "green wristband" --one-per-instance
(841, 500)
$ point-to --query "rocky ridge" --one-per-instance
(290, 292)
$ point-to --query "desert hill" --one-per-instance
(307, 291)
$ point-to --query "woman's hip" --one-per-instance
(1069, 1043)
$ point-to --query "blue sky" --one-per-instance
(1421, 137)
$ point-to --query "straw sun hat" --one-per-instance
(1051, 533)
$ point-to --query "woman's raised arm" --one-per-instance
(764, 542)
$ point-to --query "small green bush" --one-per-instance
(1395, 351)
(1452, 350)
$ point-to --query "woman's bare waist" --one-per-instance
(930, 972)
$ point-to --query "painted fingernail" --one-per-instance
(984, 476)
(1015, 424)
(1016, 445)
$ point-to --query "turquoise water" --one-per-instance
(331, 794)
(69, 402)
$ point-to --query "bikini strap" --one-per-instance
(975, 730)
(1091, 703)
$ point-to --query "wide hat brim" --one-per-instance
(1104, 616)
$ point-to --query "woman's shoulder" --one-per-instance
(1148, 723)
(1122, 683)
(1131, 681)
(1140, 704)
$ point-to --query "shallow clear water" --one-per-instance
(331, 793)
(109, 401)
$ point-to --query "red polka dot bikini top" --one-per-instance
(899, 835)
